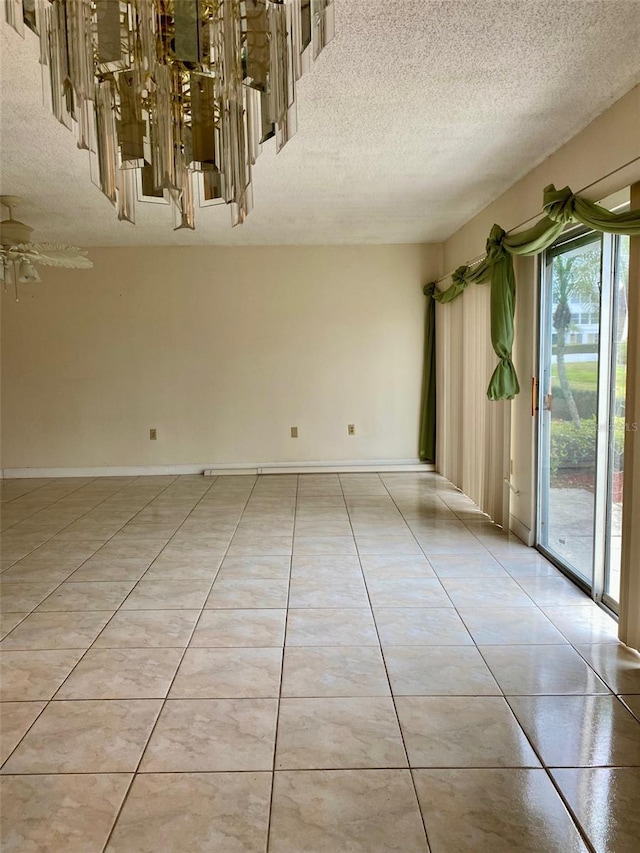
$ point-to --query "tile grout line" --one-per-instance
(160, 552)
(569, 643)
(44, 507)
(423, 552)
(574, 817)
(64, 527)
(41, 508)
(453, 606)
(32, 491)
(545, 768)
(363, 768)
(284, 645)
(392, 696)
(321, 696)
(131, 481)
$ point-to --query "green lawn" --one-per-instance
(583, 376)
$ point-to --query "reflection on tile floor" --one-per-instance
(301, 663)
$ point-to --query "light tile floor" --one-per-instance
(301, 663)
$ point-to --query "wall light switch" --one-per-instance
(153, 435)
(294, 432)
(351, 429)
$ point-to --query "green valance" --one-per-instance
(561, 207)
(461, 279)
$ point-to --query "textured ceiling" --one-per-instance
(413, 119)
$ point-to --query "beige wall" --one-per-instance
(222, 350)
(599, 157)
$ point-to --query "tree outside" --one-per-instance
(575, 282)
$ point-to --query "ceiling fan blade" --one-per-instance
(52, 255)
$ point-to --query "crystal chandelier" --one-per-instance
(173, 98)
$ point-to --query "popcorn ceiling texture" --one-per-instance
(413, 119)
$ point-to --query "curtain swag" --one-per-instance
(560, 207)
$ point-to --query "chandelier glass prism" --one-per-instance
(173, 98)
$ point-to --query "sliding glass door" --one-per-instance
(570, 367)
(581, 408)
(618, 424)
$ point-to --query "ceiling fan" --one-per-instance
(18, 254)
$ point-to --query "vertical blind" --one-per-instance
(473, 437)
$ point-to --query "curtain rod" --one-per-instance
(481, 257)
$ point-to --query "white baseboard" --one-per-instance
(521, 530)
(340, 467)
(102, 471)
(219, 469)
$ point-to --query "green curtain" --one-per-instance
(501, 247)
(428, 420)
(561, 207)
(504, 381)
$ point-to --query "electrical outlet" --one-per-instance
(351, 429)
(153, 434)
(294, 432)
